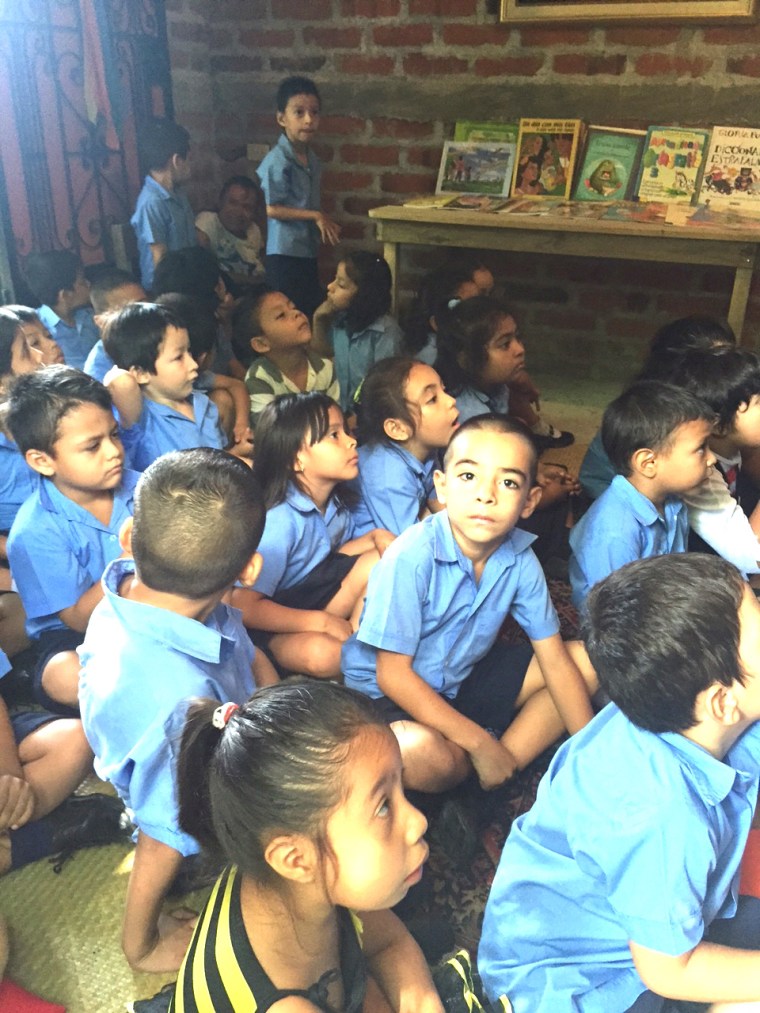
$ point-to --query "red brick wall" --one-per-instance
(396, 74)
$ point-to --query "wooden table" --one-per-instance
(734, 247)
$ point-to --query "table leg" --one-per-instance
(739, 297)
(391, 253)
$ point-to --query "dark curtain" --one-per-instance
(77, 79)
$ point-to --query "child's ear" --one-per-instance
(398, 430)
(439, 480)
(644, 462)
(41, 462)
(142, 376)
(250, 572)
(534, 498)
(719, 704)
(125, 536)
(294, 857)
(433, 324)
(260, 344)
(281, 120)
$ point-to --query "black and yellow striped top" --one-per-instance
(221, 974)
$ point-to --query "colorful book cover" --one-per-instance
(671, 164)
(732, 170)
(472, 130)
(476, 167)
(610, 164)
(548, 150)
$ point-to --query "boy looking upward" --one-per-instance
(67, 531)
(656, 437)
(268, 324)
(290, 176)
(152, 385)
(57, 280)
(428, 643)
(618, 890)
(163, 219)
(161, 637)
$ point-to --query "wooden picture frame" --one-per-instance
(528, 12)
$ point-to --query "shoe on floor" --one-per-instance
(86, 821)
(459, 986)
(548, 437)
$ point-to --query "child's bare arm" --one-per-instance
(241, 401)
(378, 539)
(126, 394)
(151, 941)
(261, 613)
(264, 672)
(320, 329)
(77, 616)
(492, 761)
(17, 799)
(564, 681)
(328, 229)
(708, 973)
(397, 964)
(158, 252)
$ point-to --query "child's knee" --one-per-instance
(318, 656)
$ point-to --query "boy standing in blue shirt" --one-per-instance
(163, 219)
(428, 645)
(290, 175)
(161, 637)
(152, 385)
(58, 281)
(657, 438)
(66, 533)
(618, 890)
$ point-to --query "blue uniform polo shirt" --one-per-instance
(633, 836)
(161, 216)
(621, 526)
(75, 341)
(393, 487)
(423, 600)
(287, 182)
(160, 429)
(17, 481)
(57, 550)
(472, 402)
(355, 353)
(141, 665)
(297, 536)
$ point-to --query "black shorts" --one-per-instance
(47, 645)
(25, 722)
(487, 696)
(319, 586)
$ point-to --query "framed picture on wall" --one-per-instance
(643, 11)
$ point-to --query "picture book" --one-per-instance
(671, 164)
(472, 130)
(476, 167)
(732, 170)
(473, 202)
(429, 200)
(547, 152)
(610, 164)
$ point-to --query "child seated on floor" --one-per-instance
(354, 323)
(406, 419)
(309, 594)
(43, 759)
(656, 436)
(161, 636)
(57, 279)
(668, 346)
(38, 337)
(618, 890)
(110, 290)
(269, 324)
(300, 790)
(66, 533)
(152, 385)
(428, 647)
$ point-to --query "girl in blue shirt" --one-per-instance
(309, 595)
(354, 324)
(406, 418)
(300, 790)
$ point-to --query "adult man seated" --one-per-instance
(231, 233)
